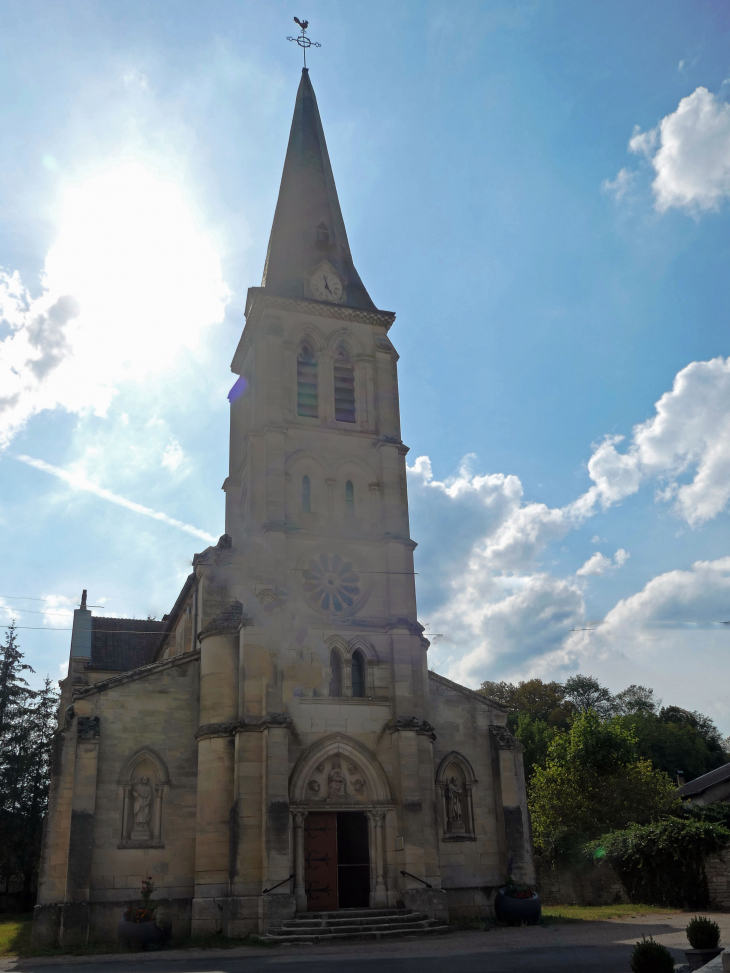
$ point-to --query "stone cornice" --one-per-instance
(502, 737)
(422, 727)
(258, 301)
(133, 675)
(245, 725)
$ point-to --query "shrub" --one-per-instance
(651, 957)
(703, 933)
(664, 863)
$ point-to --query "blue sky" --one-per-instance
(538, 189)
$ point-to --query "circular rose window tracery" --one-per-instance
(331, 583)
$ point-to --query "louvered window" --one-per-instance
(358, 674)
(306, 495)
(344, 387)
(307, 383)
(349, 499)
(336, 674)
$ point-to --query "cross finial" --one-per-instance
(302, 40)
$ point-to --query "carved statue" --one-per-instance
(336, 781)
(453, 803)
(141, 808)
(314, 786)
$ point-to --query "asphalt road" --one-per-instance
(549, 959)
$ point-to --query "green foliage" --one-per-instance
(703, 933)
(664, 862)
(586, 693)
(593, 782)
(536, 737)
(27, 724)
(544, 701)
(649, 956)
(673, 746)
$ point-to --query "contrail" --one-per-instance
(79, 482)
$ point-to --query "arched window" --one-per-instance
(336, 678)
(349, 499)
(358, 674)
(321, 235)
(344, 386)
(307, 404)
(306, 495)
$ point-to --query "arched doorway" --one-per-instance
(339, 796)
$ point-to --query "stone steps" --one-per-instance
(321, 927)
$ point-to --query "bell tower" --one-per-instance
(316, 637)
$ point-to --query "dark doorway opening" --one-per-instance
(353, 860)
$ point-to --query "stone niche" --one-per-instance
(455, 781)
(337, 778)
(142, 785)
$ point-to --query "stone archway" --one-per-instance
(338, 778)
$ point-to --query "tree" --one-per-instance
(26, 730)
(635, 700)
(594, 782)
(14, 691)
(540, 700)
(535, 737)
(585, 693)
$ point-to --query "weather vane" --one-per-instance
(303, 41)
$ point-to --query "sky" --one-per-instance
(541, 192)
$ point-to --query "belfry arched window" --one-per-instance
(358, 674)
(336, 673)
(306, 495)
(349, 499)
(344, 386)
(307, 393)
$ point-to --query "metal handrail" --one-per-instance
(417, 879)
(277, 886)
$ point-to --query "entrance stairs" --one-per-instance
(326, 927)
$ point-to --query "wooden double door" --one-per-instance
(336, 860)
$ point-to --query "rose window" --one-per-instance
(331, 583)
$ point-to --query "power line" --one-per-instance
(38, 628)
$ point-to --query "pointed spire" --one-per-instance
(308, 228)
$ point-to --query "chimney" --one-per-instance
(680, 778)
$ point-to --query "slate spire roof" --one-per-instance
(308, 227)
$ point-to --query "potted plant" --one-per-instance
(704, 938)
(140, 928)
(516, 904)
(651, 957)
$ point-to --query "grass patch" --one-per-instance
(15, 941)
(599, 913)
(15, 933)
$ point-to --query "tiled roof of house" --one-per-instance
(123, 643)
(700, 784)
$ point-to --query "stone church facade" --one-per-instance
(277, 744)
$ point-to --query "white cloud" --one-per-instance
(130, 281)
(598, 564)
(690, 433)
(79, 482)
(690, 153)
(174, 457)
(621, 185)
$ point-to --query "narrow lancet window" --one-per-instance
(336, 673)
(344, 386)
(349, 499)
(306, 495)
(307, 404)
(358, 674)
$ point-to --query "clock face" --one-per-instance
(326, 286)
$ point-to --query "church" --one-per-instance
(276, 747)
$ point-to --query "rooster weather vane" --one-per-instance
(302, 40)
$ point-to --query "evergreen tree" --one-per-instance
(27, 724)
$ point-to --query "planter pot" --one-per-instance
(517, 911)
(698, 957)
(142, 935)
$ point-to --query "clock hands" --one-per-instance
(326, 285)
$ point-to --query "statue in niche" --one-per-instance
(453, 804)
(336, 781)
(141, 809)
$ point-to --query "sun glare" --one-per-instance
(146, 277)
